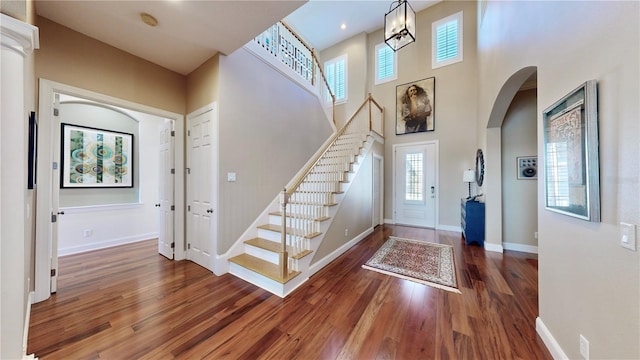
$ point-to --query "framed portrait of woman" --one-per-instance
(415, 106)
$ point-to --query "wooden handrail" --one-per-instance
(317, 64)
(286, 194)
(300, 178)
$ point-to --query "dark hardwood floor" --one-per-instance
(131, 303)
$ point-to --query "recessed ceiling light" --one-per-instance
(148, 19)
(343, 26)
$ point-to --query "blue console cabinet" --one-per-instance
(472, 221)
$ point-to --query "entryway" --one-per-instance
(48, 193)
(416, 191)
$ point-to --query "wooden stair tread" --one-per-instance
(275, 247)
(265, 268)
(300, 216)
(278, 228)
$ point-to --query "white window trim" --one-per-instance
(346, 76)
(393, 77)
(434, 26)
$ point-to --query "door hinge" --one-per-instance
(188, 207)
(188, 132)
(56, 112)
(188, 246)
(173, 245)
(188, 171)
(55, 165)
(53, 272)
(173, 133)
(54, 218)
(173, 171)
(173, 207)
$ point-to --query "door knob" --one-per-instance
(60, 212)
(157, 205)
(210, 211)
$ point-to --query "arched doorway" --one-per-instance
(494, 208)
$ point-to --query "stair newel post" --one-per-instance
(284, 257)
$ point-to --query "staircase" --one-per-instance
(309, 211)
(276, 252)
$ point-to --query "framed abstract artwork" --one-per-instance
(571, 155)
(415, 102)
(95, 158)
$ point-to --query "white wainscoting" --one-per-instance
(86, 228)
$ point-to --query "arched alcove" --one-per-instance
(494, 152)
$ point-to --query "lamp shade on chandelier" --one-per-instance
(399, 25)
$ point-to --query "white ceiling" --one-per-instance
(318, 21)
(190, 31)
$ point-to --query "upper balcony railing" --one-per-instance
(284, 44)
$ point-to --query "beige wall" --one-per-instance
(519, 197)
(454, 110)
(202, 84)
(71, 58)
(263, 119)
(355, 213)
(588, 283)
(356, 50)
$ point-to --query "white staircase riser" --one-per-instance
(326, 184)
(312, 198)
(276, 236)
(315, 211)
(336, 160)
(262, 253)
(269, 235)
(256, 279)
(332, 186)
(338, 176)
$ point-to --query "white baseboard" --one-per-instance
(339, 251)
(493, 247)
(520, 247)
(449, 228)
(438, 227)
(105, 244)
(549, 341)
(27, 320)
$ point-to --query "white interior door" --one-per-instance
(56, 212)
(201, 189)
(166, 196)
(415, 184)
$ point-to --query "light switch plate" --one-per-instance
(628, 236)
(231, 176)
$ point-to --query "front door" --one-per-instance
(201, 189)
(165, 193)
(415, 184)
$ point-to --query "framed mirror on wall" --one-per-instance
(571, 155)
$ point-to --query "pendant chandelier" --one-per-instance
(399, 25)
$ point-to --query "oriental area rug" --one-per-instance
(423, 262)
